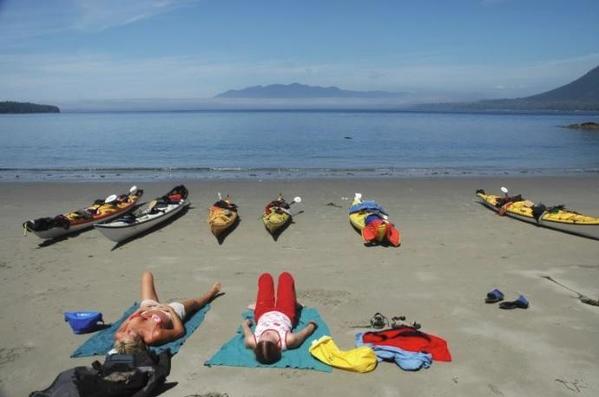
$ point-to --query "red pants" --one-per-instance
(285, 303)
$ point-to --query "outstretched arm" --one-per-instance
(296, 339)
(248, 336)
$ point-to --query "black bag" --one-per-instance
(42, 224)
(121, 375)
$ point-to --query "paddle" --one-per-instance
(296, 199)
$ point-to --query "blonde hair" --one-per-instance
(129, 345)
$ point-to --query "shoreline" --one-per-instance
(453, 252)
(153, 175)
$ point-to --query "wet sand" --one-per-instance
(453, 251)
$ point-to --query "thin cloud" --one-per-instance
(24, 19)
(101, 15)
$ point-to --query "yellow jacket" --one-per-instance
(360, 359)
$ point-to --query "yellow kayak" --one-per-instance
(277, 215)
(221, 216)
(557, 218)
(372, 222)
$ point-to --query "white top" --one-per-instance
(274, 321)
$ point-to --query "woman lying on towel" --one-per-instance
(275, 320)
(155, 323)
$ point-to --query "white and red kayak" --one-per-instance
(146, 217)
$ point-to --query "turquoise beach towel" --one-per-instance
(102, 342)
(235, 354)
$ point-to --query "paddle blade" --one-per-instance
(133, 189)
(110, 198)
(504, 190)
(297, 199)
(357, 196)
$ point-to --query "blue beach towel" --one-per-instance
(102, 342)
(406, 360)
(235, 354)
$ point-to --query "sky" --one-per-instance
(58, 51)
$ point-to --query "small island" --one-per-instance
(26, 107)
(589, 125)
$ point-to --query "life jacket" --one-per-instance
(176, 194)
(175, 198)
(410, 339)
(121, 375)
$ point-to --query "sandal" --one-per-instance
(494, 296)
(398, 322)
(520, 303)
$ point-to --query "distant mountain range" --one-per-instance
(581, 94)
(296, 90)
(26, 107)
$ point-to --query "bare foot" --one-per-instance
(252, 306)
(216, 287)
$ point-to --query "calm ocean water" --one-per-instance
(112, 146)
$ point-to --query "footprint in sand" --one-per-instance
(8, 355)
(324, 297)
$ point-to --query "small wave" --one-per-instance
(209, 173)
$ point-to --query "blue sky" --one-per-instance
(75, 50)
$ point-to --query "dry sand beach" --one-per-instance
(453, 252)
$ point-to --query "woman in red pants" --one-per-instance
(275, 320)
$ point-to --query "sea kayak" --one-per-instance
(148, 216)
(221, 216)
(371, 220)
(75, 221)
(277, 215)
(556, 217)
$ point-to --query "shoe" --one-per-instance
(520, 303)
(494, 296)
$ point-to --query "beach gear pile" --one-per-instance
(137, 375)
(404, 345)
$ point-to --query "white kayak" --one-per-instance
(145, 218)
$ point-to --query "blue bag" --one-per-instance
(82, 322)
